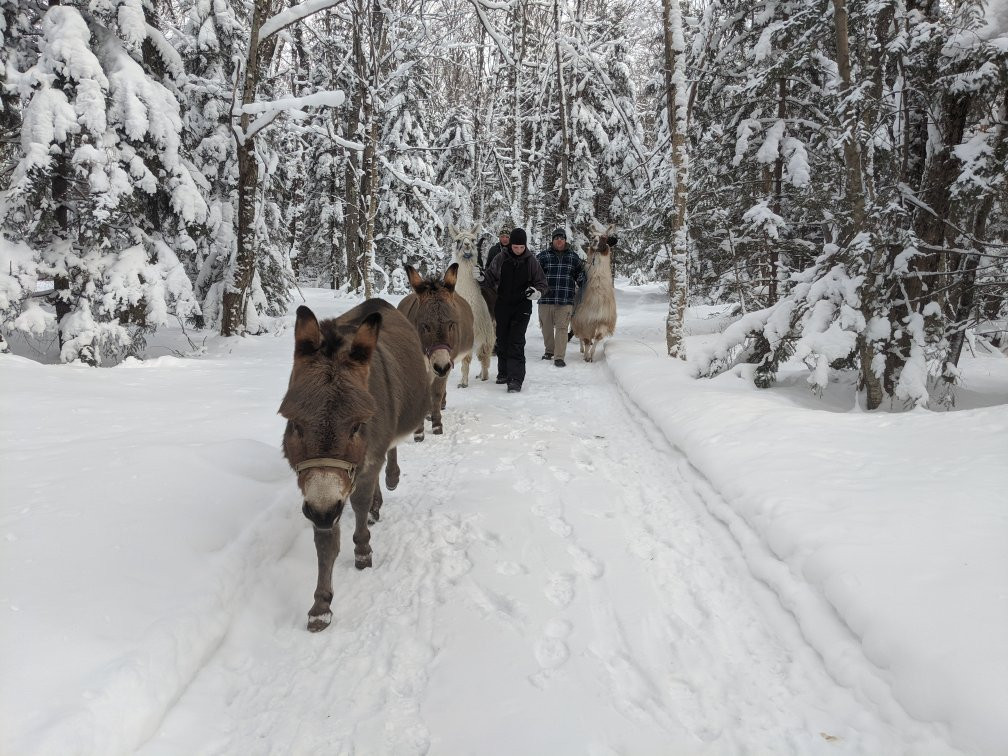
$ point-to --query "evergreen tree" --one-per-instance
(101, 148)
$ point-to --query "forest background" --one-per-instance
(833, 170)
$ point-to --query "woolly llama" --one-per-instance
(467, 287)
(595, 315)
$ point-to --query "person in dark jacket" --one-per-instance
(503, 245)
(565, 272)
(519, 281)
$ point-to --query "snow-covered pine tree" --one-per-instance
(407, 196)
(455, 171)
(881, 296)
(321, 255)
(100, 143)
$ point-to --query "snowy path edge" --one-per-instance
(819, 621)
(142, 686)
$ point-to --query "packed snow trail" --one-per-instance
(546, 580)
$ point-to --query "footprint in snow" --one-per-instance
(560, 526)
(551, 653)
(510, 568)
(560, 474)
(560, 589)
(585, 563)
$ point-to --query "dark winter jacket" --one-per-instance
(510, 276)
(563, 272)
(495, 250)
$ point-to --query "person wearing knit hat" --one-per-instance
(565, 272)
(518, 281)
(503, 244)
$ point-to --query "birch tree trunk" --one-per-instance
(354, 167)
(677, 108)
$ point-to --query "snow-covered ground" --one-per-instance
(619, 559)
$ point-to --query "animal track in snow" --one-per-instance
(551, 653)
(510, 568)
(560, 526)
(585, 563)
(560, 589)
(560, 474)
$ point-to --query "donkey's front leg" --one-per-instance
(437, 398)
(466, 362)
(361, 500)
(327, 543)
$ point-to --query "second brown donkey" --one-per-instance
(444, 321)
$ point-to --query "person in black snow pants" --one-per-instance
(518, 279)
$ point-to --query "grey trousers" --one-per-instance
(554, 320)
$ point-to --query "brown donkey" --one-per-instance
(359, 385)
(444, 321)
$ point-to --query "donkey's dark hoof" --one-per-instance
(362, 562)
(319, 622)
(437, 430)
(418, 437)
(392, 485)
(373, 517)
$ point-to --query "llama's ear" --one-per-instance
(414, 278)
(453, 231)
(451, 276)
(307, 334)
(365, 339)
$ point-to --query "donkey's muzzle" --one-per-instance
(323, 520)
(442, 370)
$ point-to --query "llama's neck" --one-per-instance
(600, 268)
(465, 283)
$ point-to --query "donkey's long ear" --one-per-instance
(366, 339)
(415, 278)
(451, 276)
(307, 335)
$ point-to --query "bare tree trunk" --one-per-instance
(61, 198)
(778, 202)
(968, 267)
(854, 188)
(236, 291)
(563, 202)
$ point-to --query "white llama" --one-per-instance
(469, 289)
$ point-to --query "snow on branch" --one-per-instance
(292, 15)
(332, 99)
(481, 6)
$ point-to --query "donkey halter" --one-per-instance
(339, 464)
(428, 351)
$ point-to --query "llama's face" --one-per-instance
(467, 243)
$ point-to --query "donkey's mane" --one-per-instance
(432, 285)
